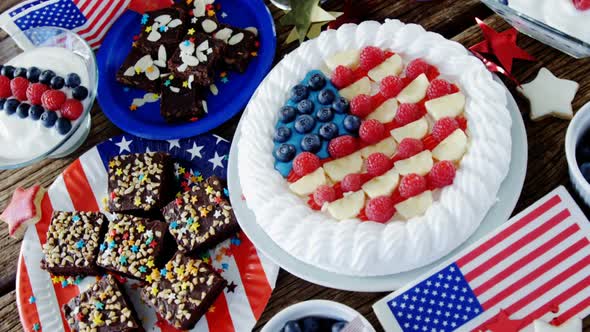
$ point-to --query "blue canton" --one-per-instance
(441, 303)
(63, 13)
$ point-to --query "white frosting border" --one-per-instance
(359, 248)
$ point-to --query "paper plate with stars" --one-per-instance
(82, 186)
(138, 112)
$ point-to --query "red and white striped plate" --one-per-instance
(83, 186)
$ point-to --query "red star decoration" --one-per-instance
(504, 324)
(24, 207)
(502, 45)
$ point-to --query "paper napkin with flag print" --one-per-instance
(91, 19)
(536, 267)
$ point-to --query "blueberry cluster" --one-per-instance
(49, 78)
(314, 114)
(314, 324)
(36, 113)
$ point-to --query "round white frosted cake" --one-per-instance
(374, 149)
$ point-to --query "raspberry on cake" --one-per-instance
(139, 182)
(183, 290)
(72, 245)
(132, 245)
(201, 218)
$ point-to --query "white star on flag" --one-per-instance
(219, 139)
(195, 151)
(216, 161)
(124, 145)
(174, 143)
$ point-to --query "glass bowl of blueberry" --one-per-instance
(48, 82)
(577, 151)
(317, 316)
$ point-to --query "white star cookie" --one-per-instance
(550, 96)
(572, 325)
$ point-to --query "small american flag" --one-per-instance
(536, 266)
(91, 19)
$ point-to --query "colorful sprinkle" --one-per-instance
(173, 225)
(148, 29)
(99, 305)
(191, 31)
(31, 299)
(140, 228)
(123, 259)
(142, 269)
(36, 327)
(80, 244)
(135, 248)
(76, 218)
(167, 83)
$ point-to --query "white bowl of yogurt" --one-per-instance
(557, 23)
(26, 139)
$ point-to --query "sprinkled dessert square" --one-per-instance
(241, 46)
(182, 100)
(103, 307)
(202, 217)
(161, 27)
(142, 69)
(197, 57)
(72, 245)
(139, 181)
(183, 291)
(132, 245)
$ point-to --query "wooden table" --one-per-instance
(547, 166)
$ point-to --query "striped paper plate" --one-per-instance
(83, 186)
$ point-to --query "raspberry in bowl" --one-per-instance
(46, 92)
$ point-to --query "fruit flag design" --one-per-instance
(83, 186)
(535, 267)
(358, 153)
(91, 19)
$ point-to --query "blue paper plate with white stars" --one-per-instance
(234, 90)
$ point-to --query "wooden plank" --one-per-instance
(9, 319)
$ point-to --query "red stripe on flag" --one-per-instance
(573, 290)
(218, 317)
(564, 317)
(509, 231)
(112, 12)
(84, 6)
(543, 249)
(256, 284)
(537, 293)
(517, 245)
(78, 188)
(88, 13)
(28, 311)
(547, 266)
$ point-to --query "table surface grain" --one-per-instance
(546, 169)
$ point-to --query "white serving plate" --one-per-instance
(507, 197)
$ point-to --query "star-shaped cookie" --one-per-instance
(572, 325)
(550, 96)
(24, 209)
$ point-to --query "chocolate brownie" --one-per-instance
(241, 46)
(140, 182)
(197, 8)
(202, 217)
(182, 100)
(104, 307)
(165, 27)
(142, 69)
(72, 245)
(183, 291)
(132, 245)
(197, 56)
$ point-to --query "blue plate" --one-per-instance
(115, 99)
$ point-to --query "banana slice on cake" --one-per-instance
(348, 206)
(415, 91)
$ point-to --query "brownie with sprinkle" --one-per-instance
(202, 217)
(132, 245)
(182, 100)
(73, 240)
(197, 56)
(103, 307)
(140, 182)
(164, 26)
(183, 290)
(142, 69)
(241, 45)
